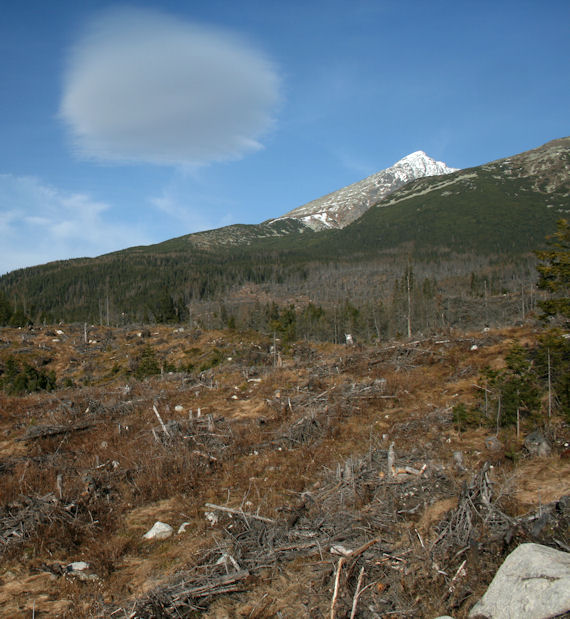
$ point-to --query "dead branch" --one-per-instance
(164, 428)
(171, 600)
(239, 512)
(357, 593)
(356, 553)
(336, 586)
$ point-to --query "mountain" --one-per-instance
(465, 233)
(340, 208)
(506, 206)
(333, 211)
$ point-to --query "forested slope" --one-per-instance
(469, 233)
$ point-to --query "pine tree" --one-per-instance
(5, 310)
(554, 273)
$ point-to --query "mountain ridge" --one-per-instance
(343, 206)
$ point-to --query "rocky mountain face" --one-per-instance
(342, 207)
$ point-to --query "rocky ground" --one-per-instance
(319, 480)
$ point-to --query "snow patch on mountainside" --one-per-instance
(342, 207)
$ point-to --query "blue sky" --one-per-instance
(127, 124)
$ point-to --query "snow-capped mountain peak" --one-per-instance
(342, 207)
(423, 165)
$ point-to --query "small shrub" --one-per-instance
(213, 360)
(465, 417)
(146, 364)
(168, 367)
(17, 379)
(513, 391)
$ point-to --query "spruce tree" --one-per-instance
(554, 273)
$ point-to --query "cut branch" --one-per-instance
(239, 512)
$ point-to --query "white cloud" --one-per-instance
(142, 86)
(39, 223)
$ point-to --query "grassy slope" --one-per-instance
(481, 213)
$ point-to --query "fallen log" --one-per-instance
(41, 431)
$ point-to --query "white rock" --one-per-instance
(179, 409)
(533, 582)
(80, 570)
(77, 566)
(182, 527)
(160, 530)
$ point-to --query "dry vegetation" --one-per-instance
(328, 484)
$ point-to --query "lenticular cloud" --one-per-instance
(144, 87)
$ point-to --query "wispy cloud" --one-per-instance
(40, 223)
(142, 86)
(353, 164)
(179, 207)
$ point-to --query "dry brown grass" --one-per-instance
(274, 433)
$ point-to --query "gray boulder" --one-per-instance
(533, 582)
(492, 443)
(537, 445)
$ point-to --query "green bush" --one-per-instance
(465, 417)
(514, 391)
(17, 379)
(213, 360)
(552, 357)
(146, 364)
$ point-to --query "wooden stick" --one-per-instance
(239, 512)
(164, 428)
(356, 553)
(203, 455)
(336, 586)
(457, 574)
(391, 460)
(357, 593)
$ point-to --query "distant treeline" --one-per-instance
(378, 299)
